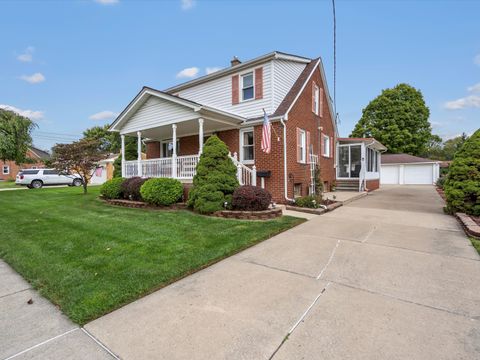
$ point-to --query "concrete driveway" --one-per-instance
(386, 277)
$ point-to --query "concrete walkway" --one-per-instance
(388, 276)
(38, 330)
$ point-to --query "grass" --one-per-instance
(7, 184)
(476, 244)
(90, 258)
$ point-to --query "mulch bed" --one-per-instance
(441, 193)
(330, 204)
(144, 205)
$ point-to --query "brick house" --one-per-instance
(230, 103)
(9, 170)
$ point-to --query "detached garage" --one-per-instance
(408, 169)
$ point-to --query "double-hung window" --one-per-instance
(302, 146)
(247, 146)
(167, 148)
(247, 86)
(6, 169)
(326, 146)
(316, 99)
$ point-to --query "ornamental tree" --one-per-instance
(215, 180)
(398, 118)
(462, 187)
(79, 157)
(15, 136)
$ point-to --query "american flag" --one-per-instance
(266, 134)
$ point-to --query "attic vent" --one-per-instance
(235, 61)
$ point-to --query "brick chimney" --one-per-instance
(235, 61)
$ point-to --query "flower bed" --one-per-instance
(143, 205)
(249, 215)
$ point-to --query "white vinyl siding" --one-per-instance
(156, 112)
(285, 75)
(218, 94)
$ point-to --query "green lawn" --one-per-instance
(90, 258)
(7, 184)
(476, 244)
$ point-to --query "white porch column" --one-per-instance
(254, 175)
(123, 154)
(139, 152)
(200, 136)
(174, 151)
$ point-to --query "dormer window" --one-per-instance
(247, 86)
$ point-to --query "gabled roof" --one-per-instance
(239, 67)
(41, 154)
(370, 142)
(404, 159)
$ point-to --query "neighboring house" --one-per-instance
(358, 164)
(9, 170)
(230, 103)
(103, 171)
(409, 170)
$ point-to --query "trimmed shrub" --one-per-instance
(441, 182)
(161, 191)
(131, 188)
(310, 201)
(251, 198)
(112, 189)
(216, 178)
(462, 187)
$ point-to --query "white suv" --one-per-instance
(36, 178)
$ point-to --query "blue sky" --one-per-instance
(71, 65)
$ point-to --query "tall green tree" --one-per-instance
(15, 136)
(109, 141)
(398, 118)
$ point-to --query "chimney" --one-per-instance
(235, 61)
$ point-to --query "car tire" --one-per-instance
(29, 186)
(36, 184)
(77, 182)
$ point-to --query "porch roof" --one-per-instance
(369, 142)
(171, 110)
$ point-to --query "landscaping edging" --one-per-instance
(469, 225)
(318, 211)
(143, 205)
(249, 215)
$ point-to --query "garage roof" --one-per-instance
(404, 159)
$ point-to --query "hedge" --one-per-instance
(162, 191)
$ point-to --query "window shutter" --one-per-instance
(235, 89)
(259, 83)
(307, 151)
(321, 102)
(299, 142)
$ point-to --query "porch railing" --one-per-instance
(245, 175)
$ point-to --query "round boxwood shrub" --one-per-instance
(462, 187)
(251, 198)
(112, 189)
(131, 188)
(215, 180)
(161, 191)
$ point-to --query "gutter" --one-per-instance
(285, 179)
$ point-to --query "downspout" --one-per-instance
(285, 179)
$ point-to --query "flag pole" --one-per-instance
(271, 127)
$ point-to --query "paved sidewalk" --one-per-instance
(386, 277)
(38, 330)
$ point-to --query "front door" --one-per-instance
(349, 161)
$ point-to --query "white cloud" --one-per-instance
(188, 4)
(188, 72)
(33, 79)
(210, 70)
(103, 115)
(31, 114)
(476, 59)
(106, 2)
(27, 55)
(474, 88)
(462, 103)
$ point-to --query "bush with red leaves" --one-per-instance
(251, 198)
(131, 188)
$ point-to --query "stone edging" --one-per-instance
(318, 211)
(249, 215)
(470, 226)
(143, 205)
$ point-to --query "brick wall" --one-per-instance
(14, 168)
(373, 184)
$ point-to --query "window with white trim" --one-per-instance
(247, 146)
(326, 146)
(6, 169)
(302, 145)
(167, 148)
(247, 85)
(316, 99)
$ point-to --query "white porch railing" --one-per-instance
(312, 160)
(185, 168)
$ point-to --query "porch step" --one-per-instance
(347, 185)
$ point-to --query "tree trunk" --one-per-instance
(84, 187)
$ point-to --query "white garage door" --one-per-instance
(390, 174)
(418, 174)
